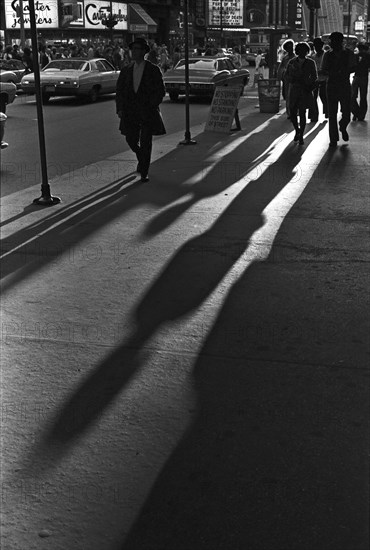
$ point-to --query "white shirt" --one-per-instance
(138, 73)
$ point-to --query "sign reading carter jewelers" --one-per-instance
(96, 10)
(46, 14)
(232, 13)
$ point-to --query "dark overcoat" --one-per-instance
(141, 107)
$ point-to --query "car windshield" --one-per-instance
(198, 64)
(66, 64)
(11, 64)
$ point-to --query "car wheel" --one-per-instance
(3, 103)
(94, 94)
(174, 96)
(45, 98)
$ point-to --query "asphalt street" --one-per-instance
(185, 362)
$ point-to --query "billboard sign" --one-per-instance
(96, 10)
(46, 12)
(230, 16)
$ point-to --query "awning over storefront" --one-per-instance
(140, 21)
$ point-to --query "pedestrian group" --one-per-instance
(311, 71)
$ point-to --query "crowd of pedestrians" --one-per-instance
(312, 71)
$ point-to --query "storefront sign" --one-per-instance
(119, 10)
(46, 14)
(298, 15)
(224, 103)
(230, 16)
(96, 10)
(138, 28)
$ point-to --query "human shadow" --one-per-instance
(276, 455)
(184, 284)
(57, 232)
(28, 249)
(212, 184)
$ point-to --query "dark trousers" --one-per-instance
(297, 107)
(338, 95)
(320, 92)
(359, 86)
(139, 139)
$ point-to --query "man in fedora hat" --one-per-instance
(337, 65)
(140, 90)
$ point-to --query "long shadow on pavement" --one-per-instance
(33, 247)
(187, 280)
(277, 456)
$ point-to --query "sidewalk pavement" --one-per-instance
(184, 361)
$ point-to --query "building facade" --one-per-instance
(224, 22)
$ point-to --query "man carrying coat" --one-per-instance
(140, 90)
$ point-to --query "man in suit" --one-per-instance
(140, 90)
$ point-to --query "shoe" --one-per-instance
(345, 135)
(296, 137)
(144, 178)
(333, 144)
(361, 119)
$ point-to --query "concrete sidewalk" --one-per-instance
(184, 361)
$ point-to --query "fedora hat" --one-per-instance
(336, 36)
(140, 42)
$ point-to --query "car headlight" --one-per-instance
(25, 82)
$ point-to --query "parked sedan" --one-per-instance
(12, 70)
(76, 77)
(8, 92)
(203, 71)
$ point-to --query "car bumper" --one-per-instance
(194, 88)
(55, 90)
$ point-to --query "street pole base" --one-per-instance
(47, 201)
(188, 142)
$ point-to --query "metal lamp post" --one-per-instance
(187, 140)
(46, 198)
(221, 26)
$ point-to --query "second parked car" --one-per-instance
(12, 70)
(8, 91)
(203, 72)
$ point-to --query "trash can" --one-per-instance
(269, 95)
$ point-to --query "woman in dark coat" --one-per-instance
(301, 73)
(140, 90)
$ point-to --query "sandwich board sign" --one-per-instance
(222, 112)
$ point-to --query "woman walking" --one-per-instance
(301, 73)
